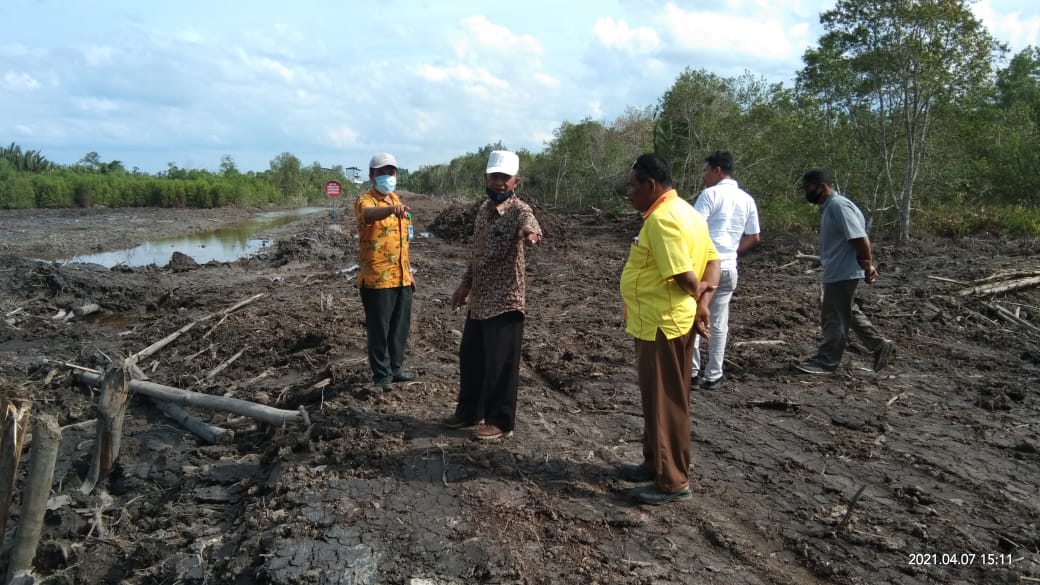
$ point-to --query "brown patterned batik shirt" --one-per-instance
(495, 275)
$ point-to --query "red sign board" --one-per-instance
(333, 189)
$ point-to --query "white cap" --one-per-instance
(503, 161)
(383, 159)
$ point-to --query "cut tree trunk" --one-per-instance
(44, 453)
(15, 429)
(111, 407)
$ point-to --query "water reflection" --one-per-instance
(225, 244)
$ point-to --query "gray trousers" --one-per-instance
(839, 313)
(719, 308)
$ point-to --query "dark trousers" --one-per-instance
(388, 315)
(663, 368)
(839, 313)
(489, 369)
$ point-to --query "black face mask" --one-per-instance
(812, 196)
(498, 196)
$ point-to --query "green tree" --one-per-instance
(694, 117)
(286, 175)
(1013, 145)
(883, 66)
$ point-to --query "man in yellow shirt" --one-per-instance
(384, 273)
(669, 279)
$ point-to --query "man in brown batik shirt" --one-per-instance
(489, 355)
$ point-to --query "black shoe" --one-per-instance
(695, 381)
(635, 472)
(716, 384)
(405, 376)
(456, 422)
(649, 495)
(386, 385)
(815, 367)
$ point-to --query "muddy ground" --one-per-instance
(943, 444)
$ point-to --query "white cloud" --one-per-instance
(20, 81)
(476, 80)
(764, 37)
(547, 80)
(92, 104)
(266, 65)
(1011, 27)
(342, 136)
(97, 55)
(425, 122)
(496, 36)
(617, 35)
(595, 109)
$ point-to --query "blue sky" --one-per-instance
(334, 82)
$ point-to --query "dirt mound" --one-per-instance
(455, 223)
(316, 239)
(181, 262)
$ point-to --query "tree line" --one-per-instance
(27, 179)
(912, 104)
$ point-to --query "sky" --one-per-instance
(333, 82)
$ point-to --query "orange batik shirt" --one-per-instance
(382, 245)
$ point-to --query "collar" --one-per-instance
(390, 197)
(669, 194)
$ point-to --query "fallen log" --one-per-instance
(1008, 275)
(1011, 317)
(266, 414)
(44, 453)
(111, 409)
(15, 429)
(200, 429)
(999, 287)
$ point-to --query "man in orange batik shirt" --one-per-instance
(384, 276)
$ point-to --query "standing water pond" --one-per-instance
(224, 244)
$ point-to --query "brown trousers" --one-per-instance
(663, 369)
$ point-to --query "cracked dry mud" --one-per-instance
(943, 442)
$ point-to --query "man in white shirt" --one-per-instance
(733, 223)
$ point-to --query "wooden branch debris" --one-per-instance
(12, 440)
(848, 514)
(809, 257)
(199, 428)
(111, 407)
(1011, 317)
(202, 430)
(44, 454)
(266, 414)
(1009, 275)
(950, 280)
(759, 342)
(225, 363)
(151, 349)
(1002, 286)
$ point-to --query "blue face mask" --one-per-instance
(386, 184)
(498, 196)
